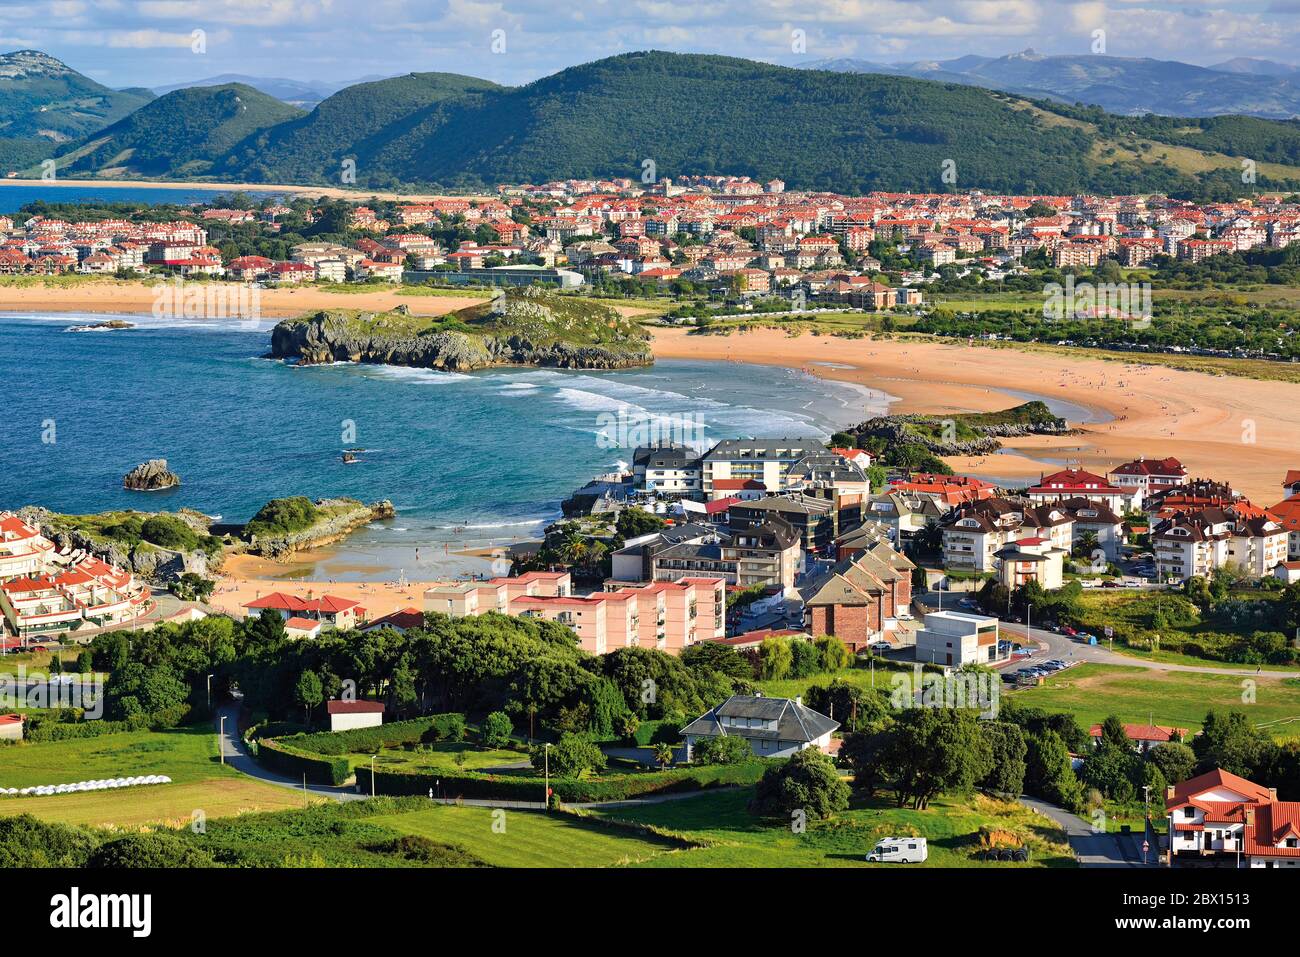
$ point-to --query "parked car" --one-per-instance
(899, 850)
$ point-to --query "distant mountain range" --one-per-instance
(685, 114)
(1125, 85)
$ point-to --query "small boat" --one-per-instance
(350, 459)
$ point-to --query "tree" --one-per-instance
(1048, 771)
(721, 749)
(1113, 769)
(1113, 733)
(835, 653)
(633, 522)
(1229, 741)
(935, 750)
(1174, 759)
(805, 659)
(1007, 742)
(806, 782)
(713, 656)
(571, 757)
(775, 658)
(496, 730)
(663, 754)
(854, 707)
(861, 751)
(308, 693)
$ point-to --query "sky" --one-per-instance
(162, 42)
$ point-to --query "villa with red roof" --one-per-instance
(1146, 476)
(1145, 736)
(1220, 818)
(340, 613)
(1079, 483)
(947, 490)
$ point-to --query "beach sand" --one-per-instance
(1243, 431)
(245, 578)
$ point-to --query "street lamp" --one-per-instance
(210, 677)
(546, 765)
(372, 775)
(221, 740)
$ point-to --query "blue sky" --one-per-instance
(151, 42)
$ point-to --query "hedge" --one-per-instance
(365, 740)
(294, 764)
(608, 787)
(655, 732)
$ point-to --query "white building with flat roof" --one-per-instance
(956, 638)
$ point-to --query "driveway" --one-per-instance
(241, 759)
(1091, 849)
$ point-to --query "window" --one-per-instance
(1189, 812)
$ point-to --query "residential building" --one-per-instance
(774, 727)
(1079, 483)
(1146, 476)
(1028, 560)
(1145, 736)
(340, 613)
(973, 534)
(861, 596)
(1220, 818)
(763, 460)
(955, 638)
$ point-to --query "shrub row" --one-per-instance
(293, 764)
(655, 732)
(608, 787)
(443, 727)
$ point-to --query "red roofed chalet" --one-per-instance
(1219, 817)
(341, 613)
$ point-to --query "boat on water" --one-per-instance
(350, 458)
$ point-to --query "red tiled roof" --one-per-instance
(354, 707)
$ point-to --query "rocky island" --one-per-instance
(106, 326)
(524, 327)
(151, 476)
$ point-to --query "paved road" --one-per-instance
(241, 759)
(1091, 849)
(1067, 649)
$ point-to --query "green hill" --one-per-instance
(42, 97)
(177, 134)
(693, 114)
(379, 125)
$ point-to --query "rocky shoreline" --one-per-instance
(346, 516)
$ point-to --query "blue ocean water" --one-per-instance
(14, 198)
(487, 455)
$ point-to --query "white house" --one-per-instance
(956, 638)
(774, 727)
(346, 715)
(1220, 818)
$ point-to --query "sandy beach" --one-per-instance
(112, 297)
(1244, 431)
(245, 578)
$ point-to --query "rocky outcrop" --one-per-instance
(980, 431)
(344, 516)
(153, 563)
(526, 327)
(151, 476)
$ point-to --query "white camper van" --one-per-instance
(899, 850)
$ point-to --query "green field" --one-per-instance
(951, 825)
(530, 838)
(861, 677)
(187, 755)
(441, 755)
(1140, 695)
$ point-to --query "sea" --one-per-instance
(14, 198)
(469, 460)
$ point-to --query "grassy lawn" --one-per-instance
(861, 677)
(738, 839)
(187, 755)
(441, 755)
(1092, 692)
(530, 838)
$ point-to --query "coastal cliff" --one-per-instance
(526, 327)
(287, 525)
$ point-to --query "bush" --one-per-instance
(496, 730)
(605, 787)
(169, 532)
(722, 749)
(295, 764)
(572, 756)
(26, 841)
(150, 850)
(807, 782)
